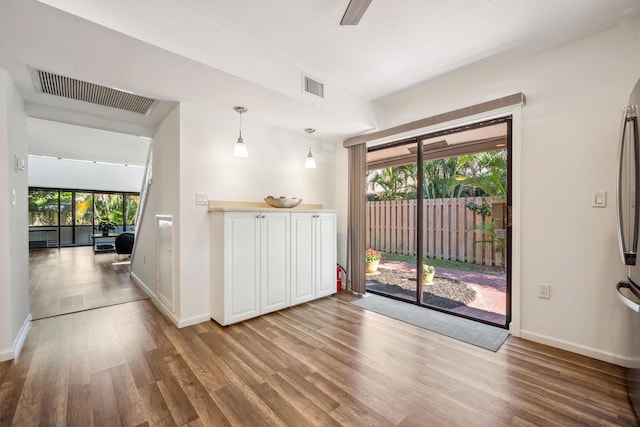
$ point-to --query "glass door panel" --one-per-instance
(83, 235)
(391, 220)
(83, 208)
(43, 218)
(43, 208)
(109, 207)
(464, 227)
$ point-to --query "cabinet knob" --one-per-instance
(257, 216)
(263, 216)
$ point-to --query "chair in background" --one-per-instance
(124, 243)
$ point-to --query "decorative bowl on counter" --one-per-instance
(282, 202)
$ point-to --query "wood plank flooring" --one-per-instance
(324, 363)
(67, 280)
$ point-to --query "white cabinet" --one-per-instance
(313, 256)
(274, 261)
(249, 264)
(255, 257)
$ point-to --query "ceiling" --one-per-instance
(220, 53)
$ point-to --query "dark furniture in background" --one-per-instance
(124, 243)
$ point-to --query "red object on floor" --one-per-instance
(339, 279)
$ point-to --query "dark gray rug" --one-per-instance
(479, 334)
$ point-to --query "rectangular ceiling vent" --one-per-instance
(58, 85)
(313, 87)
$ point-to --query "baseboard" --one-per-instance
(194, 320)
(142, 285)
(18, 343)
(6, 354)
(154, 299)
(584, 350)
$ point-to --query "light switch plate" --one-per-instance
(20, 164)
(202, 199)
(599, 199)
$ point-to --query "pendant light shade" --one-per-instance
(310, 162)
(240, 148)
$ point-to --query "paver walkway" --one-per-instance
(491, 290)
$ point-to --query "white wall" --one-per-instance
(161, 199)
(570, 127)
(275, 166)
(14, 252)
(64, 173)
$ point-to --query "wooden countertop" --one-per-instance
(233, 206)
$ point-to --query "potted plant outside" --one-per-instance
(105, 227)
(428, 273)
(372, 258)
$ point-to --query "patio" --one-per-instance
(489, 303)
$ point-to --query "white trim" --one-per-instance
(22, 336)
(584, 350)
(166, 300)
(154, 299)
(6, 354)
(194, 320)
(516, 175)
(179, 323)
(18, 343)
(142, 285)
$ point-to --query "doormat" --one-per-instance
(476, 333)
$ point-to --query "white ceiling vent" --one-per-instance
(313, 87)
(58, 85)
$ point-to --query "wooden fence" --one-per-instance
(451, 230)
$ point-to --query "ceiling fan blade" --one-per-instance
(354, 12)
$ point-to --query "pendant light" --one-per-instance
(240, 149)
(310, 162)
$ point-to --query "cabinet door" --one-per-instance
(325, 274)
(242, 266)
(302, 257)
(274, 261)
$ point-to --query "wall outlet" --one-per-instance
(544, 291)
(144, 259)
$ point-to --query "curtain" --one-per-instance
(357, 157)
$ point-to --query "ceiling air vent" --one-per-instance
(55, 84)
(313, 87)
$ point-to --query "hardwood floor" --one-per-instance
(67, 280)
(327, 362)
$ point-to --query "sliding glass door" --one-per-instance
(436, 213)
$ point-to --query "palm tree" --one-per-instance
(393, 183)
(488, 171)
(440, 178)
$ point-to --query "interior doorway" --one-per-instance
(437, 220)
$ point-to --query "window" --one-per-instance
(62, 217)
